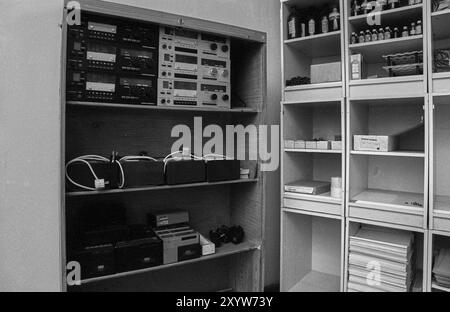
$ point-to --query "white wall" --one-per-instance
(30, 49)
(30, 129)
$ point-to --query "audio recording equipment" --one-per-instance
(114, 61)
(194, 69)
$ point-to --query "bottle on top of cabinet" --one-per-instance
(335, 19)
(293, 24)
(405, 32)
(387, 33)
(419, 28)
(311, 24)
(362, 37)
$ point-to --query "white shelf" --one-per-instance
(441, 82)
(373, 51)
(390, 16)
(391, 154)
(387, 88)
(323, 198)
(322, 45)
(313, 151)
(317, 282)
(388, 199)
(321, 92)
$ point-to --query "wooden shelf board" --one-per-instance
(439, 24)
(391, 154)
(321, 45)
(165, 108)
(313, 151)
(316, 281)
(390, 200)
(389, 17)
(373, 51)
(223, 251)
(313, 103)
(157, 188)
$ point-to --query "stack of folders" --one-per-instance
(441, 269)
(381, 260)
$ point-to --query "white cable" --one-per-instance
(218, 155)
(85, 159)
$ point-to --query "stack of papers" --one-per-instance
(441, 269)
(381, 260)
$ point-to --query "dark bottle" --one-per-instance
(356, 8)
(396, 32)
(293, 24)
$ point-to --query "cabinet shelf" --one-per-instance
(157, 188)
(224, 251)
(392, 154)
(373, 51)
(388, 199)
(313, 151)
(389, 16)
(321, 45)
(164, 108)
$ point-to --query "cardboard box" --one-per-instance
(336, 145)
(300, 144)
(311, 144)
(289, 144)
(327, 72)
(323, 145)
(374, 143)
(357, 67)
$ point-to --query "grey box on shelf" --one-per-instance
(326, 72)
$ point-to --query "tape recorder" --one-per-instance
(99, 87)
(115, 62)
(184, 92)
(193, 70)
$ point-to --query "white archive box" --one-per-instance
(311, 144)
(374, 143)
(289, 144)
(336, 145)
(323, 145)
(208, 247)
(300, 144)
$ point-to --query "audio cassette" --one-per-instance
(144, 35)
(94, 87)
(143, 62)
(214, 46)
(137, 90)
(91, 55)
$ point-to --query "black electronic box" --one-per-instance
(185, 171)
(223, 170)
(95, 261)
(112, 61)
(80, 173)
